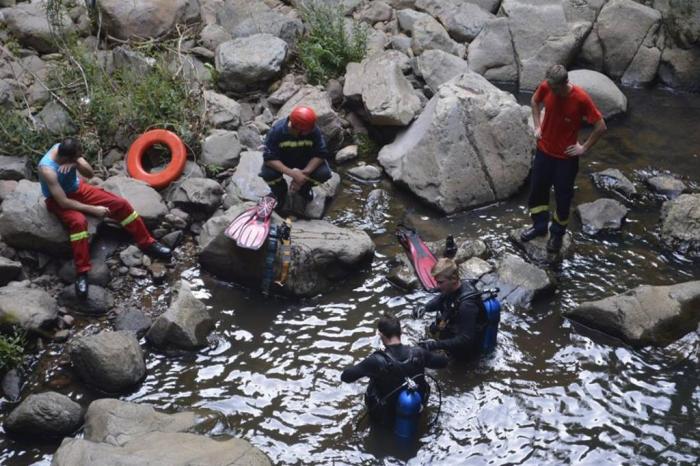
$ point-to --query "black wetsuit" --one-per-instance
(387, 371)
(463, 320)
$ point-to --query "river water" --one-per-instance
(551, 393)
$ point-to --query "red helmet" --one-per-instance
(303, 119)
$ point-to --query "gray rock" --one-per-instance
(245, 183)
(536, 249)
(605, 94)
(250, 138)
(492, 54)
(98, 302)
(9, 270)
(463, 20)
(322, 195)
(212, 35)
(667, 185)
(402, 43)
(437, 67)
(680, 68)
(199, 197)
(6, 187)
(244, 18)
(11, 386)
(190, 68)
(289, 86)
(172, 239)
(222, 112)
(161, 449)
(323, 254)
(346, 154)
(327, 119)
(186, 324)
(132, 61)
(99, 274)
(602, 214)
(13, 168)
(49, 413)
(132, 256)
(29, 24)
(221, 148)
(428, 34)
(403, 276)
(612, 179)
(133, 320)
(520, 282)
(680, 224)
(110, 361)
(470, 146)
(250, 62)
(144, 199)
(364, 172)
(474, 269)
(385, 92)
(375, 12)
(645, 315)
(542, 35)
(116, 422)
(30, 308)
(142, 19)
(375, 211)
(55, 119)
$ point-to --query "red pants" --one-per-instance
(119, 210)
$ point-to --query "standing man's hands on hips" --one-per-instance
(575, 150)
(538, 133)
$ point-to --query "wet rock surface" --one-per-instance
(680, 224)
(601, 215)
(50, 414)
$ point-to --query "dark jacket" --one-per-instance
(463, 319)
(388, 370)
(293, 151)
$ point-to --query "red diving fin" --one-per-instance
(419, 254)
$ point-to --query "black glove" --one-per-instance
(429, 345)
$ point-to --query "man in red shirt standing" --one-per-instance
(558, 151)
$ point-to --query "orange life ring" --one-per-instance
(178, 158)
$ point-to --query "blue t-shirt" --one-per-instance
(68, 181)
(293, 151)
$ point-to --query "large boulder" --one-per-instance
(160, 448)
(45, 414)
(142, 19)
(322, 254)
(144, 199)
(680, 68)
(29, 24)
(492, 54)
(601, 215)
(326, 119)
(221, 149)
(199, 197)
(55, 119)
(626, 29)
(386, 94)
(245, 184)
(118, 422)
(542, 35)
(110, 361)
(645, 315)
(14, 168)
(437, 67)
(186, 324)
(667, 185)
(605, 94)
(470, 146)
(680, 224)
(98, 301)
(243, 18)
(520, 283)
(222, 111)
(30, 308)
(251, 62)
(428, 34)
(463, 20)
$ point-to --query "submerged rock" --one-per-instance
(186, 324)
(470, 146)
(322, 254)
(520, 282)
(536, 249)
(680, 224)
(645, 315)
(667, 185)
(602, 214)
(49, 414)
(612, 179)
(110, 361)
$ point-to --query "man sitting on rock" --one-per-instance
(70, 199)
(558, 150)
(295, 147)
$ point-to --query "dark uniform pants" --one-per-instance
(547, 172)
(278, 185)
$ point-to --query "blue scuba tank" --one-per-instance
(408, 408)
(493, 317)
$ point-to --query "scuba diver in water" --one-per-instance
(397, 390)
(466, 325)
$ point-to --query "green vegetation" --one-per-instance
(366, 147)
(328, 45)
(11, 350)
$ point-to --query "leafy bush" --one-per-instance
(328, 45)
(11, 350)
